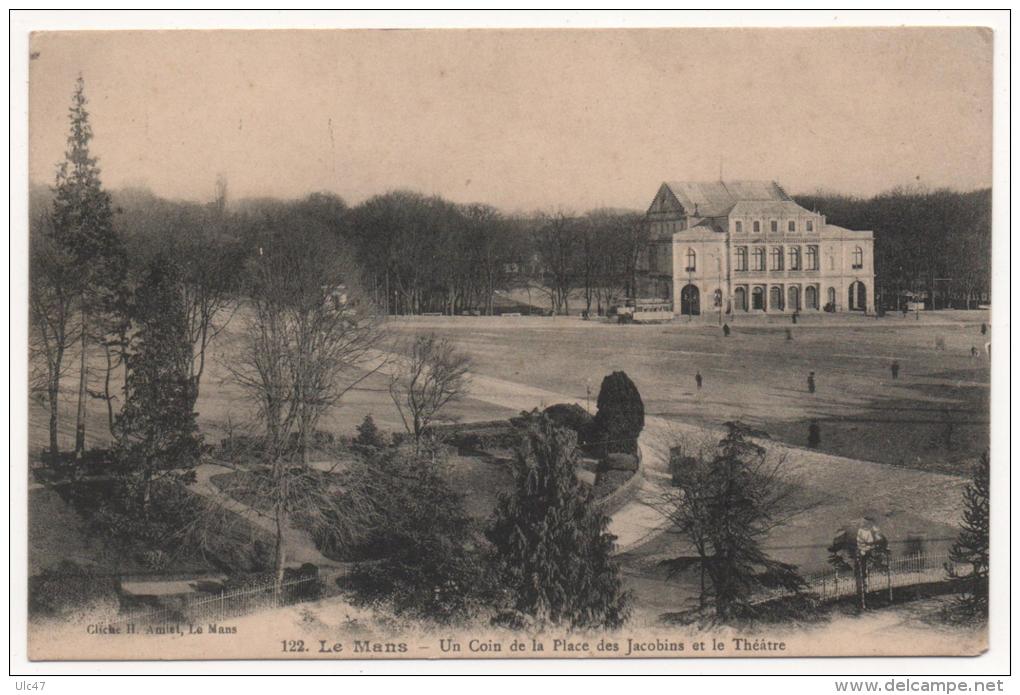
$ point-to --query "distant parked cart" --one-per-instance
(644, 311)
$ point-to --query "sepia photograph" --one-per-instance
(509, 343)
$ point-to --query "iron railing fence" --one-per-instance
(226, 604)
(911, 570)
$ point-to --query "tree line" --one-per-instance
(937, 242)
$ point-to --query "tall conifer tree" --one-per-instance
(157, 429)
(553, 548)
(83, 221)
(971, 547)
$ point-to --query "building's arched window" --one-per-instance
(810, 297)
(830, 299)
(794, 253)
(740, 299)
(809, 226)
(691, 261)
(858, 258)
(756, 226)
(774, 226)
(741, 263)
(776, 258)
(811, 258)
(738, 227)
(791, 226)
(717, 298)
(759, 258)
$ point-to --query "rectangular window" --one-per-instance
(757, 227)
(738, 226)
(810, 226)
(774, 226)
(792, 226)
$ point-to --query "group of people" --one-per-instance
(894, 367)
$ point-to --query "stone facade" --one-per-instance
(745, 247)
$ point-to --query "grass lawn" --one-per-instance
(935, 416)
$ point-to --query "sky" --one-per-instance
(520, 119)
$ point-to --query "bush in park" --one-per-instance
(369, 435)
(72, 592)
(573, 417)
(552, 549)
(621, 415)
(416, 544)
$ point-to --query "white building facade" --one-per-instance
(745, 247)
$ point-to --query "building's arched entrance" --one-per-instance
(776, 298)
(793, 298)
(810, 297)
(740, 299)
(858, 296)
(690, 300)
(758, 299)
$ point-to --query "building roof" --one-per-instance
(717, 198)
(777, 208)
(837, 231)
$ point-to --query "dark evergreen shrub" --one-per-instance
(620, 417)
(573, 417)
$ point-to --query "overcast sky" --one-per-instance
(520, 119)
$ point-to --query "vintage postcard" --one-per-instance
(509, 343)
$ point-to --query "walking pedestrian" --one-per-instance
(895, 369)
(726, 330)
(697, 379)
(814, 437)
(811, 382)
(973, 351)
(984, 328)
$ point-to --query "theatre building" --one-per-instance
(745, 247)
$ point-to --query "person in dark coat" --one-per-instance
(726, 330)
(895, 369)
(697, 379)
(814, 437)
(811, 382)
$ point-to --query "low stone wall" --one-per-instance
(623, 494)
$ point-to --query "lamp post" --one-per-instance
(719, 268)
(587, 395)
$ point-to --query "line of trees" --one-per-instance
(937, 242)
(426, 254)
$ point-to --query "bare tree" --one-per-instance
(557, 241)
(53, 315)
(435, 373)
(209, 285)
(306, 342)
